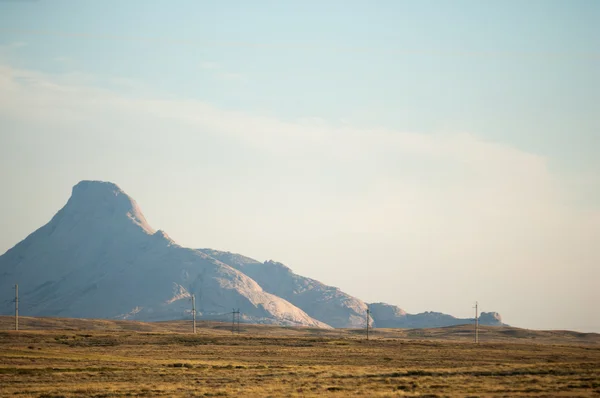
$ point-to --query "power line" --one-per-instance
(368, 312)
(476, 323)
(194, 312)
(27, 303)
(233, 321)
(16, 307)
(235, 317)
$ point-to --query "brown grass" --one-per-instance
(108, 359)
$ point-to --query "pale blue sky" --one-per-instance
(423, 153)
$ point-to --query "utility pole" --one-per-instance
(17, 307)
(476, 323)
(368, 311)
(194, 311)
(235, 312)
(233, 321)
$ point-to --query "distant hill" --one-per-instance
(390, 316)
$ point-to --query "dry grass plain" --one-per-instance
(66, 357)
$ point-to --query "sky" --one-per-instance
(425, 154)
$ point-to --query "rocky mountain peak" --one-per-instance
(99, 201)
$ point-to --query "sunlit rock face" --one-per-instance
(490, 318)
(318, 300)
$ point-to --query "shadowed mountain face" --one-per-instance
(99, 258)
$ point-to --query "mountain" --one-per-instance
(390, 316)
(325, 303)
(99, 258)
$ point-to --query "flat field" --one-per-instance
(96, 358)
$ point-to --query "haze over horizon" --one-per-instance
(422, 154)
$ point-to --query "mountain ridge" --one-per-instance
(323, 301)
(315, 298)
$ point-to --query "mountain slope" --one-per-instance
(333, 306)
(317, 299)
(99, 258)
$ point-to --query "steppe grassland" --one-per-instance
(100, 363)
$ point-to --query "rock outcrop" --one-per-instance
(390, 316)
